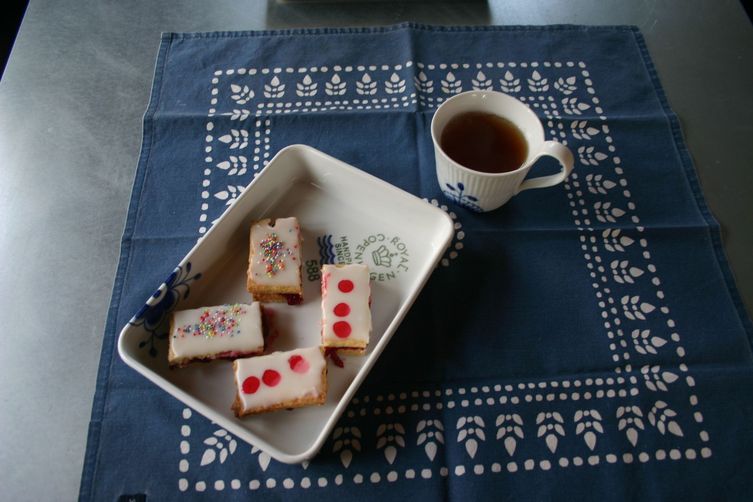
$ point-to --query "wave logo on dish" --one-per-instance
(326, 249)
(386, 256)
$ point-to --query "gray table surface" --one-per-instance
(71, 105)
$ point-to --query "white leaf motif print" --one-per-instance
(623, 272)
(208, 456)
(347, 441)
(674, 428)
(551, 442)
(431, 450)
(574, 107)
(241, 94)
(471, 446)
(509, 84)
(481, 82)
(470, 433)
(238, 114)
(630, 420)
(274, 89)
(510, 427)
(565, 85)
(335, 87)
(345, 457)
(264, 460)
(669, 377)
(581, 130)
(606, 213)
(537, 83)
(395, 84)
(235, 165)
(230, 194)
(220, 445)
(237, 139)
(390, 453)
(632, 435)
(598, 184)
(306, 87)
(550, 427)
(389, 436)
(451, 84)
(661, 416)
(644, 343)
(656, 379)
(366, 86)
(614, 242)
(590, 439)
(430, 436)
(588, 423)
(634, 309)
(423, 84)
(588, 156)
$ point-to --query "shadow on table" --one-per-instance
(313, 13)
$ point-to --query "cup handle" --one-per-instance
(565, 158)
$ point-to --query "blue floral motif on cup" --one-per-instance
(457, 195)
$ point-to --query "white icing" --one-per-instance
(246, 336)
(287, 231)
(292, 385)
(359, 317)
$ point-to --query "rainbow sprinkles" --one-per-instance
(219, 332)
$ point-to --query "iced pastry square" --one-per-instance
(220, 332)
(280, 380)
(346, 307)
(274, 262)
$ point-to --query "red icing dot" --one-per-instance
(342, 329)
(271, 378)
(346, 285)
(298, 364)
(342, 309)
(250, 385)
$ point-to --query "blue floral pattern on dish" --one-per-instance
(153, 314)
(457, 195)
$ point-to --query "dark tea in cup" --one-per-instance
(484, 142)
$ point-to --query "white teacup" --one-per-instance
(480, 191)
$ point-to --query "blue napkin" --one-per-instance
(585, 341)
